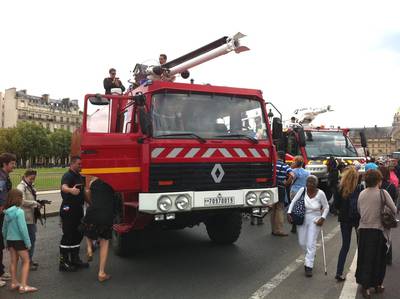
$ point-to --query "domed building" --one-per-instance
(382, 141)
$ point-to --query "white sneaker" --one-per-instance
(6, 276)
(2, 283)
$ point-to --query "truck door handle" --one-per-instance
(89, 152)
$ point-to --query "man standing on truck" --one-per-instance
(112, 82)
(71, 213)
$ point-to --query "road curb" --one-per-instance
(47, 192)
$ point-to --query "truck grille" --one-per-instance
(198, 177)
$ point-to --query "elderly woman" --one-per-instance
(316, 210)
(373, 238)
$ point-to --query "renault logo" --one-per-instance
(217, 173)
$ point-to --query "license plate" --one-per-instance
(219, 201)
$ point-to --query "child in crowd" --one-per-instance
(16, 236)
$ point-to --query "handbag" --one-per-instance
(387, 216)
(299, 210)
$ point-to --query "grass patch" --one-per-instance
(46, 179)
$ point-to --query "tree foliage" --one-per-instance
(35, 145)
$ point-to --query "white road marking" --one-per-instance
(268, 287)
(349, 290)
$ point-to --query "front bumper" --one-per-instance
(206, 200)
(319, 170)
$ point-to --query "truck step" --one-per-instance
(122, 228)
(131, 204)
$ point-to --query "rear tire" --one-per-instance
(224, 228)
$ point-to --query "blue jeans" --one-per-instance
(346, 229)
(32, 237)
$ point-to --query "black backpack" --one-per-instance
(354, 215)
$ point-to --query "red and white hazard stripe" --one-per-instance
(197, 152)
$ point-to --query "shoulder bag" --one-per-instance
(387, 216)
(299, 210)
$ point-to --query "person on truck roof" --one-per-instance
(162, 59)
(112, 82)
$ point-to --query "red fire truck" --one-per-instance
(181, 154)
(317, 144)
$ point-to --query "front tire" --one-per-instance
(224, 228)
(120, 244)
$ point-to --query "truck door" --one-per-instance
(109, 148)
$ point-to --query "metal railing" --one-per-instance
(44, 181)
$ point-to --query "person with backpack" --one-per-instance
(345, 202)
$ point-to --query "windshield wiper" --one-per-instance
(201, 139)
(255, 141)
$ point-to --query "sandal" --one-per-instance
(27, 289)
(104, 277)
(379, 289)
(14, 286)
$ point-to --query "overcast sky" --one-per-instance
(303, 53)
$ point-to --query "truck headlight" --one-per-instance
(182, 202)
(251, 198)
(265, 197)
(164, 203)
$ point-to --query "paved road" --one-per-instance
(185, 264)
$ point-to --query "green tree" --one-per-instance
(31, 143)
(60, 145)
(7, 140)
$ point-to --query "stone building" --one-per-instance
(382, 141)
(18, 106)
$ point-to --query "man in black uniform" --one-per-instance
(112, 82)
(71, 213)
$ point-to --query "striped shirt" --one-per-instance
(282, 171)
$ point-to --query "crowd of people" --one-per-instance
(359, 201)
(20, 211)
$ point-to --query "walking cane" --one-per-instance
(323, 250)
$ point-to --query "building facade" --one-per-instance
(18, 106)
(382, 141)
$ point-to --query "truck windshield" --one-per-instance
(324, 144)
(208, 116)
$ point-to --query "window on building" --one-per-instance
(61, 119)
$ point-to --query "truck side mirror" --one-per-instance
(276, 128)
(302, 138)
(363, 139)
(145, 121)
(140, 99)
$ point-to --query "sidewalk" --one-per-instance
(55, 197)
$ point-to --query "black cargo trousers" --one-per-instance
(71, 217)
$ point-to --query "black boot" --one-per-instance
(65, 263)
(76, 260)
